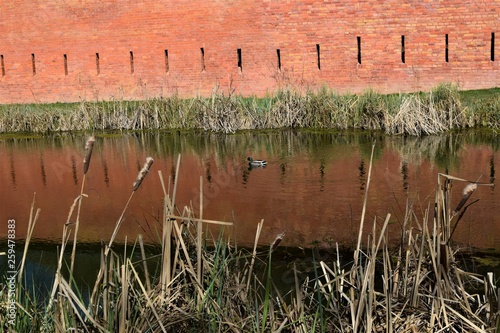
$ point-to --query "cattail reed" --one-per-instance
(89, 145)
(277, 241)
(468, 190)
(142, 174)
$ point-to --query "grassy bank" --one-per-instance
(442, 109)
(206, 283)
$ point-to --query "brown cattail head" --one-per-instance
(468, 190)
(142, 174)
(89, 145)
(277, 241)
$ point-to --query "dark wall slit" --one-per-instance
(278, 54)
(240, 67)
(446, 50)
(359, 49)
(131, 62)
(492, 51)
(403, 53)
(65, 56)
(97, 65)
(202, 51)
(318, 56)
(2, 64)
(33, 66)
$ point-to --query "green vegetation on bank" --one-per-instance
(442, 109)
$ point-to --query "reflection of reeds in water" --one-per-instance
(207, 284)
(441, 149)
(316, 146)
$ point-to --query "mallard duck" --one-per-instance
(256, 163)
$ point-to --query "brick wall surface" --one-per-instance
(61, 51)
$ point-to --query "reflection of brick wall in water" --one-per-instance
(87, 49)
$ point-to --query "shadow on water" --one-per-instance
(41, 265)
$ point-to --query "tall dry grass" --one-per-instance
(441, 109)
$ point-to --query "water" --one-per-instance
(312, 188)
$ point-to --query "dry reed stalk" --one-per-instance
(77, 306)
(102, 268)
(414, 295)
(168, 218)
(118, 225)
(254, 255)
(140, 177)
(363, 212)
(462, 290)
(357, 271)
(89, 145)
(199, 236)
(31, 227)
(144, 263)
(388, 292)
(174, 194)
(124, 298)
(193, 219)
(64, 242)
(70, 298)
(189, 267)
(145, 294)
(65, 237)
(166, 243)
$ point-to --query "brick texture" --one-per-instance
(35, 35)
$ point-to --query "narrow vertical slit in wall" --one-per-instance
(240, 68)
(202, 51)
(318, 55)
(2, 65)
(33, 66)
(278, 53)
(131, 62)
(166, 61)
(359, 49)
(446, 51)
(492, 51)
(65, 64)
(403, 54)
(97, 65)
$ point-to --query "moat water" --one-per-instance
(312, 188)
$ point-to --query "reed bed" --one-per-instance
(206, 283)
(441, 109)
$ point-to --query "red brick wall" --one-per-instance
(81, 28)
